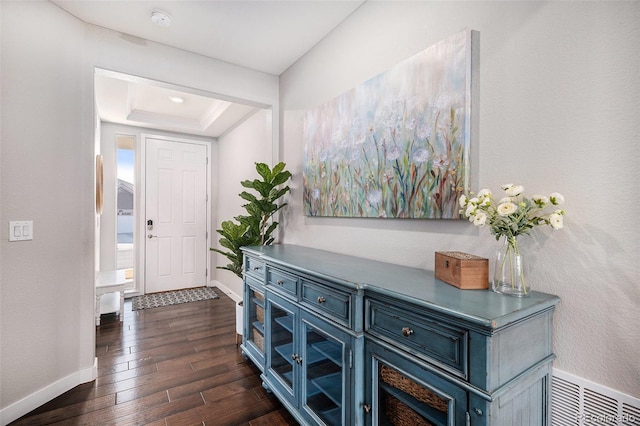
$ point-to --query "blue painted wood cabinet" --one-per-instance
(343, 340)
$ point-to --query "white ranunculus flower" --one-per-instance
(484, 193)
(514, 190)
(556, 221)
(463, 200)
(505, 209)
(540, 199)
(556, 199)
(505, 200)
(480, 219)
(506, 186)
(471, 208)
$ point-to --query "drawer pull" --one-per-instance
(406, 331)
(280, 282)
(321, 300)
(256, 268)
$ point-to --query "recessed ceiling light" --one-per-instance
(160, 18)
(176, 99)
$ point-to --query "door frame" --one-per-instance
(141, 234)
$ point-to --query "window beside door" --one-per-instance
(125, 206)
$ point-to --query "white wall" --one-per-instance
(238, 152)
(46, 295)
(558, 111)
(47, 175)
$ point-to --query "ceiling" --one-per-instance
(263, 35)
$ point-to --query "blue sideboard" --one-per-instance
(342, 340)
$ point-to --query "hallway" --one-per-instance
(176, 365)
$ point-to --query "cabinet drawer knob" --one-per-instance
(280, 282)
(321, 300)
(255, 268)
(407, 331)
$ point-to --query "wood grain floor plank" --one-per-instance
(176, 365)
(275, 418)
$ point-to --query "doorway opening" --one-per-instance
(126, 207)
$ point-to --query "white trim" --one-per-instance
(225, 290)
(46, 394)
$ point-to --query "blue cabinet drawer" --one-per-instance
(420, 334)
(254, 267)
(283, 282)
(328, 301)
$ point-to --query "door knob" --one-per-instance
(406, 331)
(151, 236)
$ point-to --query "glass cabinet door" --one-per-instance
(326, 355)
(404, 393)
(254, 315)
(284, 357)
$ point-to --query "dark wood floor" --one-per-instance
(177, 365)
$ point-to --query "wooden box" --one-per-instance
(463, 270)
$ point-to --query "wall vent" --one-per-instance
(576, 402)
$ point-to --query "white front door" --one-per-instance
(176, 215)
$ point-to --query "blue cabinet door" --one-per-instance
(402, 392)
(283, 360)
(254, 322)
(326, 372)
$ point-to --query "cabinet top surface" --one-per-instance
(413, 285)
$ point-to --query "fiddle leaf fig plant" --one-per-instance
(256, 227)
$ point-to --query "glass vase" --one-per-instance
(509, 276)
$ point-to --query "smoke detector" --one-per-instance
(160, 18)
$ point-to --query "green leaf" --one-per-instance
(264, 171)
(278, 168)
(249, 197)
(280, 178)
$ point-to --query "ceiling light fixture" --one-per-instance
(176, 99)
(160, 18)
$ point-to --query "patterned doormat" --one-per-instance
(167, 298)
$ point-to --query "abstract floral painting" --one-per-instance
(396, 146)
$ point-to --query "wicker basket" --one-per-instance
(398, 381)
(260, 313)
(258, 339)
(401, 415)
(258, 296)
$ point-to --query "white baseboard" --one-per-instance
(236, 298)
(46, 394)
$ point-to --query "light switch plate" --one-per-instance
(20, 230)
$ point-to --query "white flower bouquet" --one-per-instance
(511, 216)
(514, 214)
